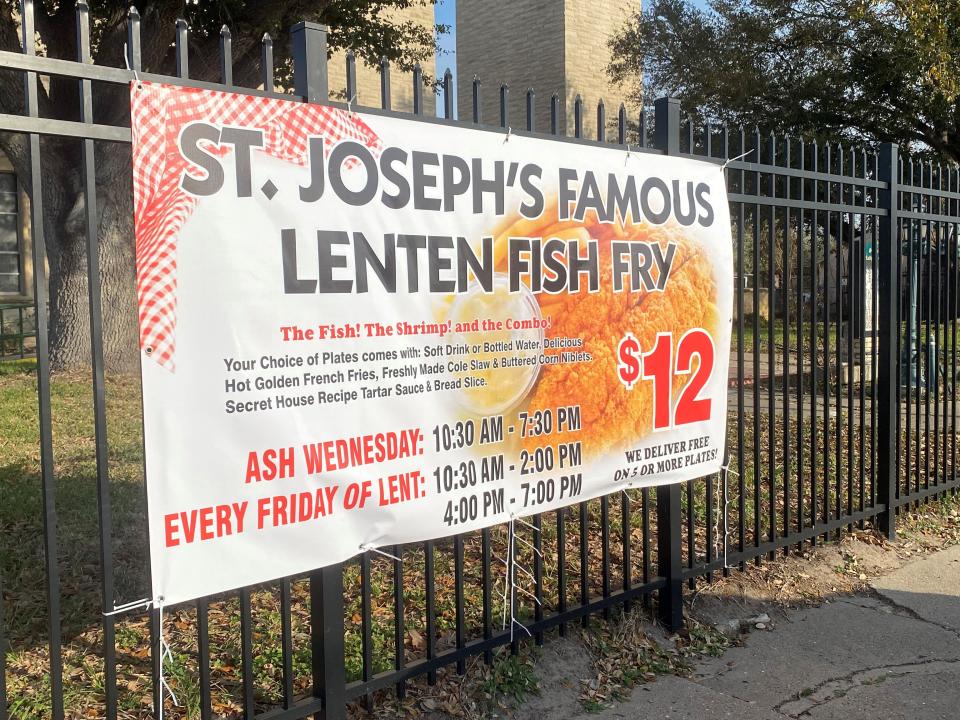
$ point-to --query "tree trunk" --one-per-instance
(65, 233)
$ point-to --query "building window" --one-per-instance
(11, 260)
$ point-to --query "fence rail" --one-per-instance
(842, 411)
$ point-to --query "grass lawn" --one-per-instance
(78, 562)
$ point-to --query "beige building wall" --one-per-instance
(589, 27)
(517, 42)
(368, 78)
(552, 46)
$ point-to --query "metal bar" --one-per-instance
(226, 56)
(538, 574)
(823, 206)
(601, 121)
(584, 560)
(814, 334)
(645, 537)
(182, 48)
(448, 95)
(203, 659)
(935, 490)
(366, 626)
(286, 641)
(460, 620)
(838, 423)
(400, 632)
(669, 553)
(562, 567)
(487, 590)
(431, 605)
(605, 549)
(756, 347)
(801, 225)
(63, 128)
(308, 48)
(309, 52)
(578, 117)
(785, 304)
(97, 369)
(626, 541)
(771, 354)
(111, 75)
(266, 62)
(385, 83)
(688, 490)
(531, 117)
(475, 100)
(827, 217)
(504, 105)
(826, 176)
(246, 652)
(888, 407)
(48, 479)
(417, 89)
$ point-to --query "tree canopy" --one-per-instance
(371, 28)
(870, 70)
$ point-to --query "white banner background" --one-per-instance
(208, 531)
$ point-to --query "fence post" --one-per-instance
(309, 50)
(888, 314)
(669, 559)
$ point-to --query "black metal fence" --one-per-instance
(842, 411)
(18, 332)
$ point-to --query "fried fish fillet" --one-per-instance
(613, 416)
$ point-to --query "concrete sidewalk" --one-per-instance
(887, 655)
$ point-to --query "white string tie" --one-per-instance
(350, 104)
(627, 159)
(370, 548)
(145, 604)
(738, 157)
(126, 60)
(165, 654)
(725, 473)
(531, 546)
(509, 133)
(510, 586)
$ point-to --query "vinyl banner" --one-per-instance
(361, 330)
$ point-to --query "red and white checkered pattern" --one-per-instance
(161, 208)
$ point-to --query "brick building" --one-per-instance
(368, 78)
(552, 46)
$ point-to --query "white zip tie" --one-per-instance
(350, 104)
(509, 133)
(370, 548)
(627, 159)
(127, 607)
(738, 157)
